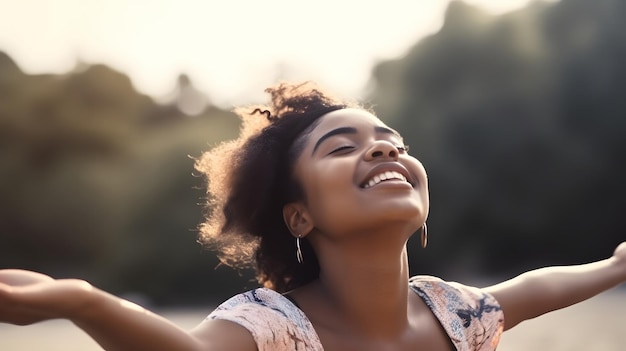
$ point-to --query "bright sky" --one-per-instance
(232, 49)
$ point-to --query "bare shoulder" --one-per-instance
(216, 334)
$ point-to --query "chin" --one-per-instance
(411, 216)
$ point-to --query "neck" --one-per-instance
(366, 288)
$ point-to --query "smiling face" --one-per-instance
(357, 177)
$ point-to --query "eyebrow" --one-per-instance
(352, 130)
(338, 131)
(386, 130)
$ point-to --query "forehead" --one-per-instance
(349, 117)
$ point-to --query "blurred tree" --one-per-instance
(519, 120)
(96, 181)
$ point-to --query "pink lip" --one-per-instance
(388, 166)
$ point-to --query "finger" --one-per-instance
(23, 305)
(18, 277)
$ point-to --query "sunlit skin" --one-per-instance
(361, 300)
(333, 177)
(359, 235)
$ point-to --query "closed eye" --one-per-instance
(402, 148)
(345, 148)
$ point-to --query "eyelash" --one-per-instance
(342, 148)
(401, 148)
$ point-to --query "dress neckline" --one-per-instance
(290, 303)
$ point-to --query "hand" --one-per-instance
(28, 297)
(620, 252)
(620, 257)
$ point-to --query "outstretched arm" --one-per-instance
(116, 324)
(547, 289)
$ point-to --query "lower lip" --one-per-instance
(393, 184)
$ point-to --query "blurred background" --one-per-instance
(516, 108)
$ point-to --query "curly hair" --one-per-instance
(250, 179)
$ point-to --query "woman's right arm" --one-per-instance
(116, 324)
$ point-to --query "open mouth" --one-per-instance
(383, 177)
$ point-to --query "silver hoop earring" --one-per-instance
(424, 236)
(298, 250)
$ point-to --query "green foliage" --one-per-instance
(519, 120)
(97, 181)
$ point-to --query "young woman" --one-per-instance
(321, 196)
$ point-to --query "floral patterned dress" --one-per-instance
(471, 317)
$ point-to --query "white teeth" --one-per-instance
(384, 176)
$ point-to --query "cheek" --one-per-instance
(330, 191)
(329, 177)
(416, 167)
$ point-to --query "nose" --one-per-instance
(382, 149)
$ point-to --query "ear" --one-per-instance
(297, 219)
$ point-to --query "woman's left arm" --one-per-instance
(547, 289)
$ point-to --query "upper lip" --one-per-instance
(387, 167)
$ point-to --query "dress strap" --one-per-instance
(275, 322)
(471, 317)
